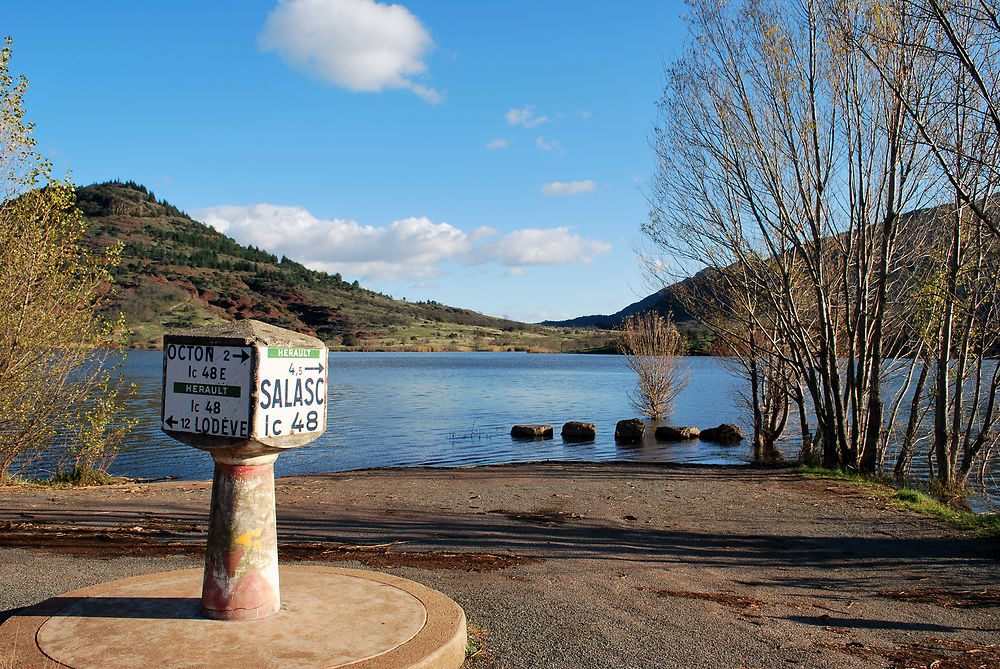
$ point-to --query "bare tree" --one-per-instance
(767, 393)
(959, 124)
(651, 346)
(964, 135)
(786, 161)
(964, 322)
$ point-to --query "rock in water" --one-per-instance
(531, 431)
(676, 433)
(724, 434)
(630, 431)
(577, 431)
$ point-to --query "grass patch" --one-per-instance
(475, 644)
(827, 474)
(75, 478)
(84, 476)
(909, 495)
(429, 335)
(981, 524)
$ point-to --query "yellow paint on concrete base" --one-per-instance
(250, 538)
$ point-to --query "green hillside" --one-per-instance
(176, 273)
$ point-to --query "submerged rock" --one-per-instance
(531, 432)
(676, 433)
(630, 431)
(577, 431)
(724, 434)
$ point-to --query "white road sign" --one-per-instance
(207, 389)
(291, 391)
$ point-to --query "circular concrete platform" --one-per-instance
(329, 618)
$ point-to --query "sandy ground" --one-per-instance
(577, 565)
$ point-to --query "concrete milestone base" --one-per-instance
(329, 618)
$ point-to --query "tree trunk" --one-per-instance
(906, 450)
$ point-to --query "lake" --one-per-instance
(451, 409)
(456, 409)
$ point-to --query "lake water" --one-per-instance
(456, 409)
(451, 409)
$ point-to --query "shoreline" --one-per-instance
(575, 564)
(885, 485)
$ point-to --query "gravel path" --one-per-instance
(577, 565)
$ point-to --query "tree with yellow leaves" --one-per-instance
(59, 398)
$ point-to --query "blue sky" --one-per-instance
(489, 155)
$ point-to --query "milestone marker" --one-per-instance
(244, 392)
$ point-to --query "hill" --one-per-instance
(176, 273)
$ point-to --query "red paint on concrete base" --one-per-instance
(241, 558)
(253, 597)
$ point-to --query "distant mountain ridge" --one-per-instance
(663, 301)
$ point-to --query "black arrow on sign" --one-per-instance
(318, 368)
(171, 422)
(243, 356)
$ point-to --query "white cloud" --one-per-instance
(428, 95)
(548, 145)
(525, 117)
(532, 246)
(408, 249)
(570, 188)
(498, 143)
(361, 45)
(515, 271)
(583, 113)
(482, 232)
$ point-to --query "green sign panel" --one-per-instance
(206, 389)
(275, 352)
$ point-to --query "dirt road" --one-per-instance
(577, 565)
